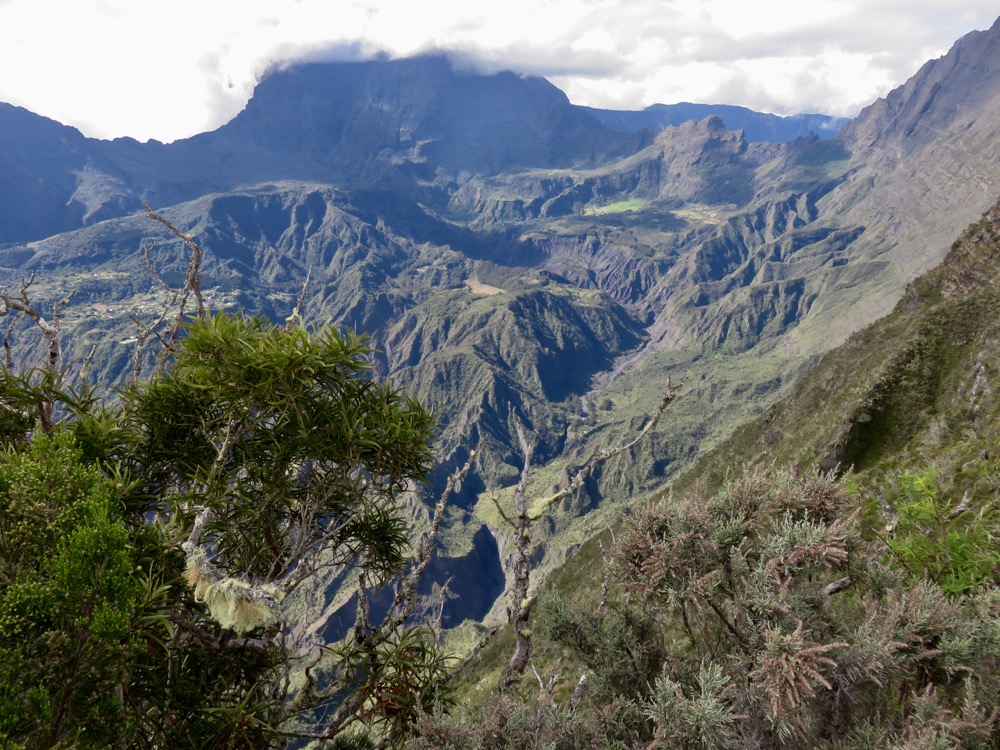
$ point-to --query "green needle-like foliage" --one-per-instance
(286, 438)
(147, 547)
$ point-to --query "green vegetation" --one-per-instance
(164, 546)
(760, 606)
(81, 603)
(948, 542)
(617, 207)
(157, 554)
(757, 616)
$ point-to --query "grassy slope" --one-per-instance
(916, 388)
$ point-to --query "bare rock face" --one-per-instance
(924, 165)
(942, 95)
(386, 120)
(38, 157)
(510, 254)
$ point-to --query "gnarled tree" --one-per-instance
(254, 462)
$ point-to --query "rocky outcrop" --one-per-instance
(512, 258)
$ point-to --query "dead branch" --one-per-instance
(406, 598)
(605, 578)
(960, 508)
(519, 609)
(177, 302)
(400, 609)
(295, 319)
(147, 254)
(8, 353)
(579, 690)
(601, 456)
(21, 304)
(837, 586)
(193, 279)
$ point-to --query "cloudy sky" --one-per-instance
(167, 70)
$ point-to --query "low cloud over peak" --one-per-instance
(115, 67)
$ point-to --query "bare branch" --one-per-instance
(579, 690)
(519, 609)
(86, 363)
(201, 517)
(400, 609)
(179, 300)
(538, 677)
(220, 644)
(576, 482)
(960, 508)
(193, 279)
(406, 597)
(22, 305)
(51, 333)
(837, 586)
(503, 515)
(146, 252)
(362, 619)
(8, 354)
(605, 578)
(295, 319)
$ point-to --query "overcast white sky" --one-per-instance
(170, 69)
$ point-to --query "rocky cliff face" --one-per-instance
(941, 96)
(922, 166)
(363, 118)
(45, 171)
(512, 257)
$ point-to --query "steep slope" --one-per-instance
(763, 285)
(923, 166)
(910, 405)
(52, 178)
(917, 386)
(518, 260)
(917, 389)
(414, 126)
(362, 118)
(472, 338)
(698, 162)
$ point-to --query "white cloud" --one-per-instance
(120, 67)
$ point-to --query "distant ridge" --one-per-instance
(510, 254)
(757, 127)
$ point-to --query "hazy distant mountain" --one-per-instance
(511, 254)
(362, 117)
(756, 126)
(42, 167)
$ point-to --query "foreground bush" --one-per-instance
(151, 552)
(763, 617)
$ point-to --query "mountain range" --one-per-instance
(514, 257)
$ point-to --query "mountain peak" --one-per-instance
(421, 110)
(940, 92)
(714, 124)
